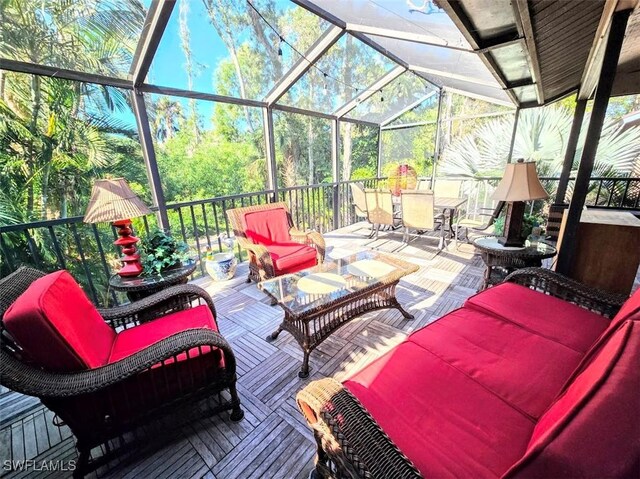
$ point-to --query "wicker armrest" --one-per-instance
(348, 436)
(261, 256)
(560, 286)
(158, 304)
(36, 382)
(311, 238)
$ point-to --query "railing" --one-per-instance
(87, 250)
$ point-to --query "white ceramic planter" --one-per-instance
(222, 266)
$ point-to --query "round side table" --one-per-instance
(143, 286)
(501, 260)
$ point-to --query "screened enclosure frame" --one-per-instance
(157, 18)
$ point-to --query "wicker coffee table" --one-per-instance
(318, 300)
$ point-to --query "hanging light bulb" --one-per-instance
(381, 97)
(280, 46)
(324, 88)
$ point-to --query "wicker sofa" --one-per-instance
(536, 377)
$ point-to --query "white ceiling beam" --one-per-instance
(370, 91)
(409, 107)
(591, 72)
(455, 76)
(319, 48)
(525, 28)
(480, 97)
(401, 35)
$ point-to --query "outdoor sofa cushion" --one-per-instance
(545, 315)
(57, 325)
(515, 383)
(291, 257)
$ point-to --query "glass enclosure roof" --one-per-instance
(255, 50)
(403, 93)
(351, 67)
(220, 44)
(93, 36)
(417, 19)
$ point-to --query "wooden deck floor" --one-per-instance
(273, 440)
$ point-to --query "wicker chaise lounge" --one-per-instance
(536, 377)
(274, 244)
(102, 371)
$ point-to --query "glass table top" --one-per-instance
(334, 279)
(529, 248)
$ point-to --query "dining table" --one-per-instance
(444, 204)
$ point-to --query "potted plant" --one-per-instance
(221, 266)
(529, 222)
(160, 251)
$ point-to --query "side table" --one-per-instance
(143, 286)
(501, 260)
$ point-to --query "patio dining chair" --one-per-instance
(360, 203)
(477, 223)
(418, 213)
(103, 372)
(447, 188)
(424, 184)
(380, 209)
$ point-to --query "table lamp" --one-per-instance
(113, 201)
(520, 183)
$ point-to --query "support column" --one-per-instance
(270, 149)
(567, 253)
(516, 119)
(149, 155)
(572, 144)
(379, 163)
(335, 172)
(436, 149)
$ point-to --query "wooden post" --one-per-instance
(566, 257)
(572, 144)
(272, 169)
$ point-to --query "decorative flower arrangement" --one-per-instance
(160, 251)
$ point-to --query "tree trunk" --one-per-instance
(36, 102)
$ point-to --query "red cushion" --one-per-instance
(291, 257)
(132, 340)
(524, 369)
(446, 423)
(593, 429)
(57, 325)
(267, 226)
(630, 309)
(551, 317)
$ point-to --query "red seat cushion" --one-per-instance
(630, 309)
(267, 226)
(132, 340)
(58, 327)
(291, 257)
(551, 317)
(444, 422)
(593, 429)
(524, 369)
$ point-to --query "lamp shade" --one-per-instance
(520, 183)
(113, 200)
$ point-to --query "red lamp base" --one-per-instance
(131, 265)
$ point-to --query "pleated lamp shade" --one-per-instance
(520, 182)
(113, 200)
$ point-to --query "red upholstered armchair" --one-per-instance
(275, 246)
(102, 371)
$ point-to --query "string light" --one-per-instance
(324, 88)
(381, 97)
(326, 76)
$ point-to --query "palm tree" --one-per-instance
(542, 136)
(167, 118)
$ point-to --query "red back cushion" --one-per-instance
(630, 309)
(267, 226)
(58, 327)
(593, 428)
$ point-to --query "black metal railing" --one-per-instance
(87, 250)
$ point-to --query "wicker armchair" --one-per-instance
(103, 403)
(274, 245)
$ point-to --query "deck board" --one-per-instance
(273, 440)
